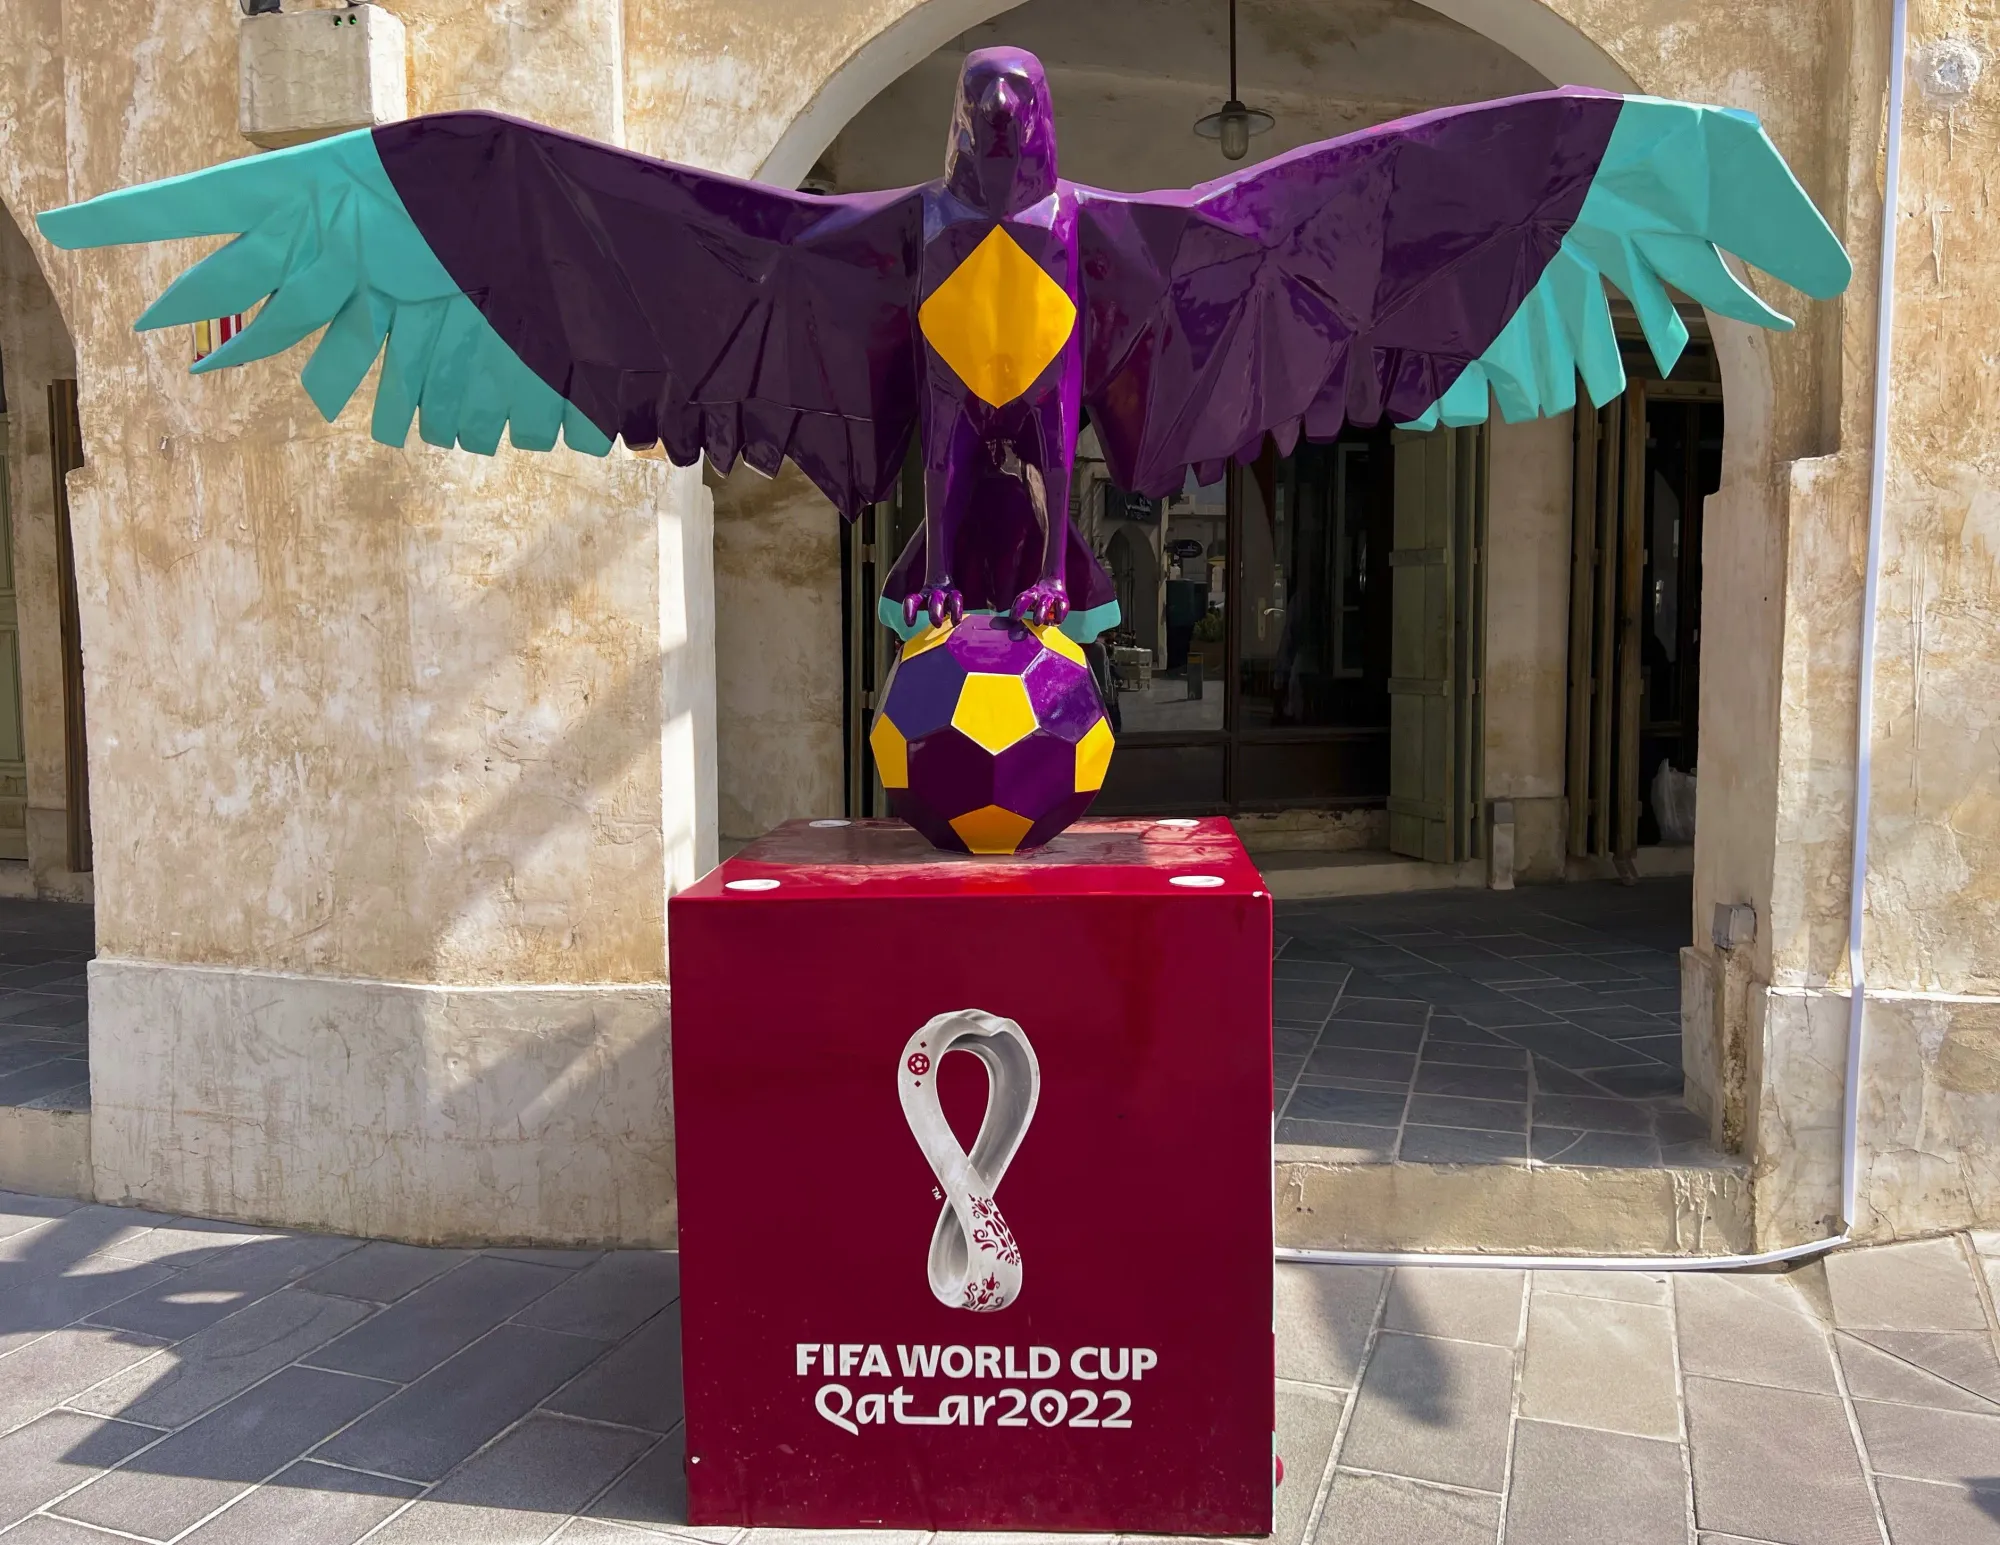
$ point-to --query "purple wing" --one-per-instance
(1343, 281)
(676, 306)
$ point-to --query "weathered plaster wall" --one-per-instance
(476, 751)
(35, 350)
(1526, 682)
(777, 652)
(362, 721)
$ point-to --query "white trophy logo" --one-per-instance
(975, 1263)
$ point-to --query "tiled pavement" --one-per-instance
(167, 1380)
(1540, 1025)
(44, 947)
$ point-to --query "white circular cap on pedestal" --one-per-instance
(765, 885)
(1179, 821)
(1196, 882)
(822, 825)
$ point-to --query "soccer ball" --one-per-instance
(991, 736)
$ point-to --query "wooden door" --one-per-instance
(65, 456)
(13, 747)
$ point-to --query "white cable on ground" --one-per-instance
(1864, 729)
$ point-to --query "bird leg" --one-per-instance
(1047, 600)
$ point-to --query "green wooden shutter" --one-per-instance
(1436, 650)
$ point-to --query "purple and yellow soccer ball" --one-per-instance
(991, 735)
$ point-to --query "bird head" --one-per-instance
(1002, 154)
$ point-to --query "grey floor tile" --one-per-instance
(1596, 1362)
(1550, 1079)
(1460, 1054)
(1643, 1083)
(41, 1461)
(1339, 1142)
(1951, 1370)
(513, 1492)
(224, 1360)
(1444, 1110)
(1510, 1015)
(1680, 1126)
(34, 1303)
(60, 1011)
(19, 1212)
(1457, 1145)
(1457, 1032)
(1775, 1464)
(1572, 1486)
(1922, 1513)
(381, 1272)
(1478, 1083)
(1465, 1304)
(44, 1530)
(1930, 1445)
(1593, 1150)
(637, 1385)
(1293, 1043)
(307, 1504)
(1629, 1287)
(1388, 1510)
(1751, 1327)
(1346, 1062)
(1357, 1107)
(32, 1086)
(1433, 1410)
(1370, 1037)
(432, 1323)
(199, 1468)
(1584, 1114)
(653, 1493)
(177, 1242)
(429, 1427)
(61, 1365)
(195, 1299)
(1924, 1285)
(18, 1055)
(1323, 1317)
(1380, 1011)
(1558, 996)
(1307, 1423)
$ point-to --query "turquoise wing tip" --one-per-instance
(69, 227)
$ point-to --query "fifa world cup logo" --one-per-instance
(974, 1261)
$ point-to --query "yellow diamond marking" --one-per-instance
(929, 638)
(1093, 756)
(993, 710)
(991, 829)
(892, 753)
(998, 320)
(1054, 638)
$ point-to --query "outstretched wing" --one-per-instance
(515, 278)
(1405, 270)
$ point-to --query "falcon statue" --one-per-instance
(515, 279)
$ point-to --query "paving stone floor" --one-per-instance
(44, 947)
(171, 1380)
(1540, 1025)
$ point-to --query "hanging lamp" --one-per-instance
(1235, 123)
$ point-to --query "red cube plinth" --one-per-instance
(1024, 1288)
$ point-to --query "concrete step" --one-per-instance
(46, 1152)
(1325, 1202)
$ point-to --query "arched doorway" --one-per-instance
(44, 780)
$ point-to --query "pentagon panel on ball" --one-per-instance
(991, 737)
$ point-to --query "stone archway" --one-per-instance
(1745, 541)
(36, 350)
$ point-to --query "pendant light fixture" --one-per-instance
(1234, 125)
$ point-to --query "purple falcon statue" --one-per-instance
(512, 278)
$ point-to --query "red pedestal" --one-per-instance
(1024, 1288)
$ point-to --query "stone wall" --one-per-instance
(363, 718)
